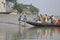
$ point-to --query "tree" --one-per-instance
(13, 1)
(10, 0)
(31, 8)
(19, 7)
(34, 9)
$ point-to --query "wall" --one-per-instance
(2, 6)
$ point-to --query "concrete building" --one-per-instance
(2, 6)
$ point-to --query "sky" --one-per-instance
(50, 7)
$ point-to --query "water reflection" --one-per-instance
(58, 30)
(35, 33)
(45, 33)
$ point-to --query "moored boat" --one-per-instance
(43, 24)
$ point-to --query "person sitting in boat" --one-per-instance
(39, 18)
(46, 19)
(53, 19)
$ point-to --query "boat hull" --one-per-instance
(42, 24)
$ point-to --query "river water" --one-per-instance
(9, 30)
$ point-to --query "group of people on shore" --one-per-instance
(46, 19)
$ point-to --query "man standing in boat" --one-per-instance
(25, 17)
(19, 19)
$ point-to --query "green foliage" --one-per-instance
(10, 0)
(34, 9)
(19, 7)
(13, 1)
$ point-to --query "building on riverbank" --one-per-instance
(4, 8)
(8, 6)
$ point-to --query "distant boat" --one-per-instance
(5, 12)
(42, 24)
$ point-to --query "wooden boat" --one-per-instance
(42, 24)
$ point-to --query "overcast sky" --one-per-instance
(50, 7)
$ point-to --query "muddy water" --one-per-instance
(9, 30)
